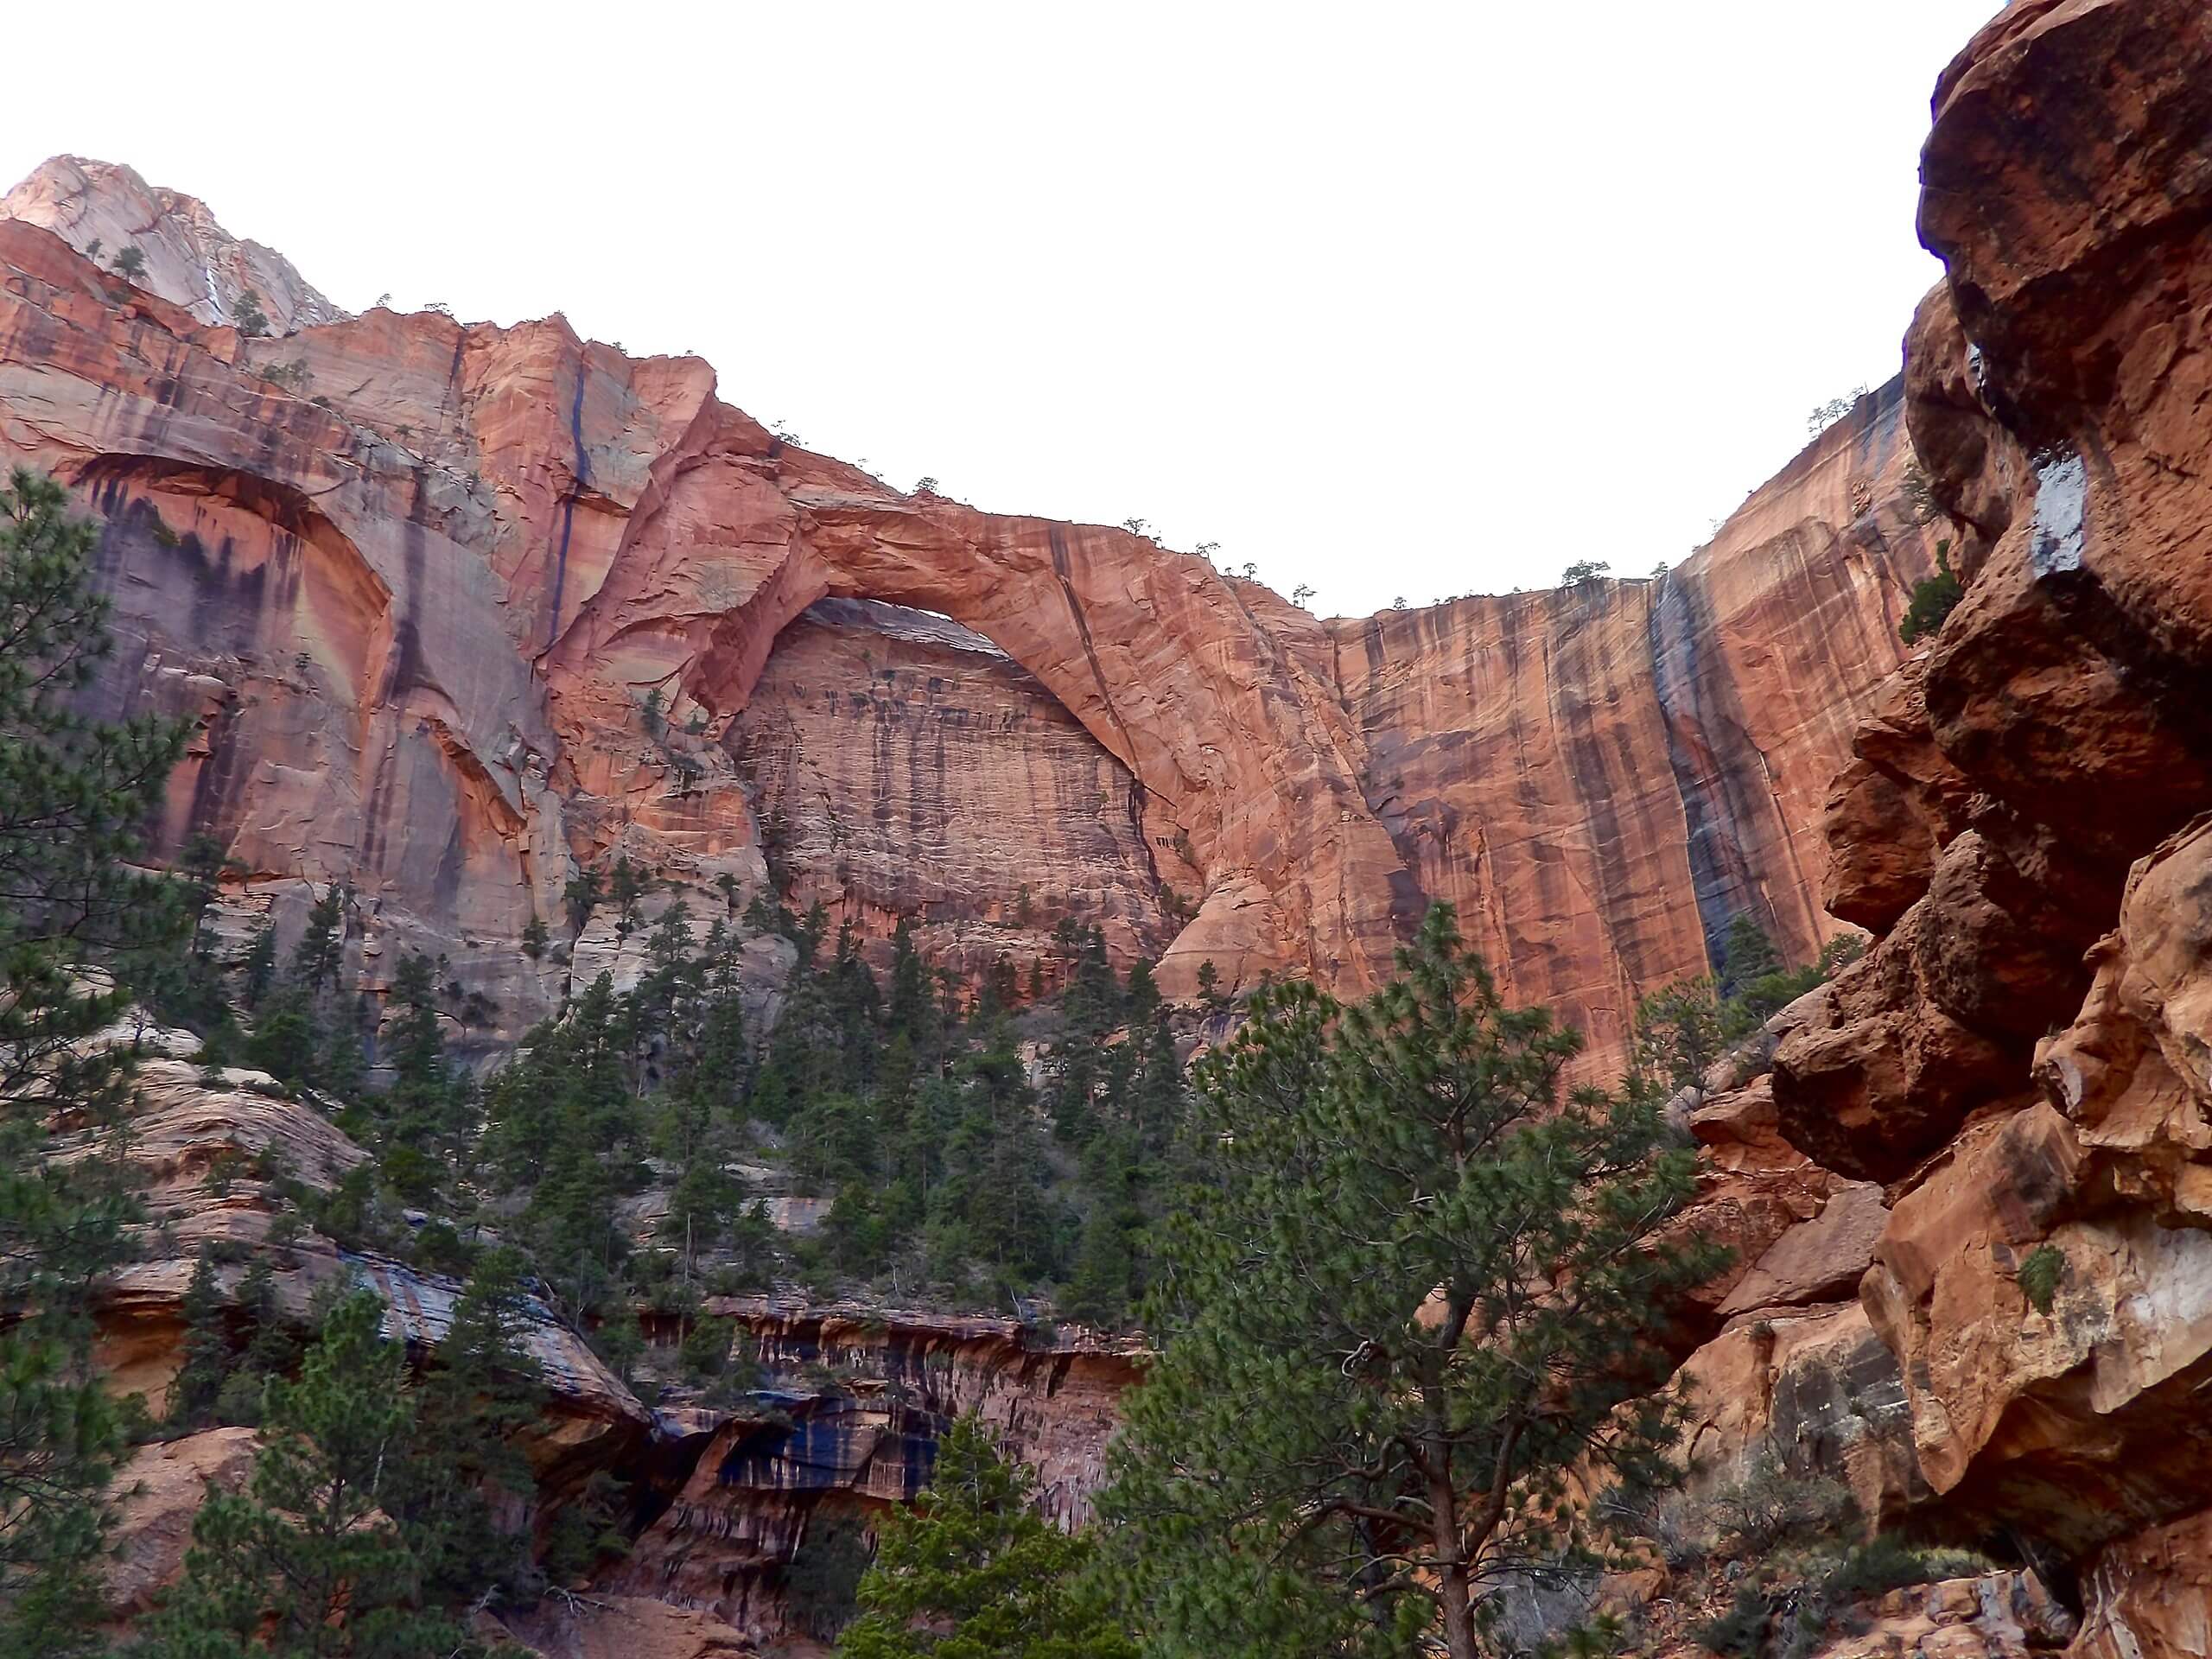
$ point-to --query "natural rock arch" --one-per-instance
(1247, 762)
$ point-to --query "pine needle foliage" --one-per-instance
(74, 792)
(973, 1572)
(1409, 1322)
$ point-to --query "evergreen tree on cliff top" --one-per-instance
(1398, 1323)
(73, 795)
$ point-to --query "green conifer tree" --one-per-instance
(1404, 1310)
(207, 1360)
(307, 1564)
(972, 1572)
(73, 795)
(482, 1389)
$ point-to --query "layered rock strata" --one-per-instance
(846, 1426)
(460, 610)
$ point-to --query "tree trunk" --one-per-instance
(1451, 1571)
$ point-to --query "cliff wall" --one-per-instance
(460, 610)
(2020, 1060)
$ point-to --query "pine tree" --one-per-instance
(580, 896)
(320, 952)
(259, 968)
(1405, 1309)
(482, 1389)
(419, 1126)
(1679, 1035)
(207, 1362)
(628, 886)
(972, 1572)
(307, 1564)
(73, 794)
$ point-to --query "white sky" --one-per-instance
(1392, 300)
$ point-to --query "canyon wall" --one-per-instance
(2021, 1061)
(841, 1421)
(460, 610)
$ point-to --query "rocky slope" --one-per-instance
(100, 209)
(841, 1422)
(418, 581)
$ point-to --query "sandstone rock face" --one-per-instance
(191, 260)
(161, 1489)
(2022, 1056)
(1601, 776)
(1815, 1391)
(205, 1158)
(909, 769)
(418, 584)
(2149, 1594)
(1998, 1615)
(765, 1480)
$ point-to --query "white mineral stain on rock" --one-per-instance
(2061, 496)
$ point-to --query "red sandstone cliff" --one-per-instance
(2021, 1058)
(418, 580)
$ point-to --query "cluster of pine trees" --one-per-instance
(381, 1508)
(949, 1176)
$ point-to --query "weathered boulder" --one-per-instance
(2147, 1596)
(2134, 1071)
(1815, 1391)
(159, 1492)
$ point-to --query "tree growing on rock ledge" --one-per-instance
(1399, 1322)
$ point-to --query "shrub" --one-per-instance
(1932, 600)
(2040, 1273)
(1827, 415)
(1887, 1562)
(1772, 1506)
(1583, 570)
(1740, 1632)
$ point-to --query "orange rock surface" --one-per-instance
(417, 582)
(2021, 1056)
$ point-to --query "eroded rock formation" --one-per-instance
(844, 1421)
(848, 1424)
(460, 610)
(2022, 1056)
